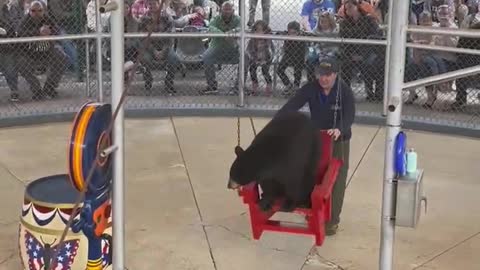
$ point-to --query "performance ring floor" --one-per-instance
(185, 218)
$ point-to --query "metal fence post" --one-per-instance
(241, 75)
(394, 118)
(98, 26)
(387, 57)
(117, 67)
(87, 67)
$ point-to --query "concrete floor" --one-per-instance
(184, 217)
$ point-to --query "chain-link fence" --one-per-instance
(53, 59)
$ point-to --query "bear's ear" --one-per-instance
(238, 150)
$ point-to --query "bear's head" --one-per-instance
(241, 172)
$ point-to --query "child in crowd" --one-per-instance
(293, 56)
(326, 27)
(260, 53)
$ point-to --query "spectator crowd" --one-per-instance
(353, 19)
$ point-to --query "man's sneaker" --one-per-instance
(331, 229)
(14, 97)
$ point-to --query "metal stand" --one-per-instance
(118, 204)
(394, 114)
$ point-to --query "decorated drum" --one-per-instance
(48, 204)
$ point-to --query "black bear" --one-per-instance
(282, 158)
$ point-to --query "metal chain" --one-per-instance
(337, 98)
(81, 196)
(238, 129)
(253, 127)
(335, 113)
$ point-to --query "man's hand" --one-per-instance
(3, 32)
(335, 133)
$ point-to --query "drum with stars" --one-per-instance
(48, 204)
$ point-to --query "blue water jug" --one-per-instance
(400, 154)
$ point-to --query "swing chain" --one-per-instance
(335, 113)
(238, 129)
(337, 102)
(253, 127)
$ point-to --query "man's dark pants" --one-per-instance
(341, 150)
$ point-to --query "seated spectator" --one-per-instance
(472, 21)
(47, 53)
(92, 17)
(293, 56)
(153, 9)
(461, 11)
(177, 9)
(221, 50)
(380, 9)
(368, 59)
(260, 53)
(65, 15)
(447, 61)
(472, 6)
(158, 53)
(311, 11)
(439, 62)
(7, 53)
(130, 24)
(470, 18)
(198, 20)
(326, 27)
(417, 7)
(422, 64)
(434, 6)
(17, 10)
(139, 9)
(365, 7)
(211, 8)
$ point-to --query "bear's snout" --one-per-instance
(232, 184)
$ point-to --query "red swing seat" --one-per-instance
(316, 216)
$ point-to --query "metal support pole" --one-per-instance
(241, 75)
(98, 26)
(387, 58)
(117, 64)
(87, 67)
(394, 118)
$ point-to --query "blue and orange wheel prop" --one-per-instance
(88, 139)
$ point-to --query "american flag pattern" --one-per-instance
(38, 253)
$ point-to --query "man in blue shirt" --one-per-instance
(332, 108)
(311, 11)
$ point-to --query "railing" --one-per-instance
(187, 100)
